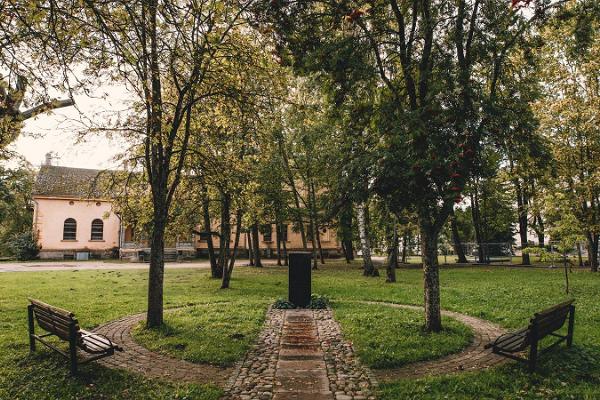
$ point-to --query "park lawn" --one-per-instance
(100, 296)
(386, 337)
(215, 333)
(507, 296)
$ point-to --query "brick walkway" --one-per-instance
(154, 365)
(300, 354)
(474, 357)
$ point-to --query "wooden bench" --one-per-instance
(64, 325)
(544, 323)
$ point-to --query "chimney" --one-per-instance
(48, 159)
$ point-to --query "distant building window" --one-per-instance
(97, 229)
(71, 202)
(284, 232)
(70, 229)
(267, 232)
(98, 203)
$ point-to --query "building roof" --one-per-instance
(80, 183)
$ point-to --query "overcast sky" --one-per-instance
(58, 132)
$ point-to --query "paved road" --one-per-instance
(37, 266)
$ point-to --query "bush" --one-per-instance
(317, 302)
(24, 246)
(283, 304)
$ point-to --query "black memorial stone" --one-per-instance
(299, 279)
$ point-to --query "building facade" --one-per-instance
(72, 220)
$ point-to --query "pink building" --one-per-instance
(73, 220)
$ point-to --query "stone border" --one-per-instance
(254, 376)
(473, 358)
(138, 359)
(348, 378)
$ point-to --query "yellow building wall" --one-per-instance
(328, 240)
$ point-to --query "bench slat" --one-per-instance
(52, 309)
(513, 342)
(53, 326)
(95, 342)
(551, 310)
(547, 326)
(50, 315)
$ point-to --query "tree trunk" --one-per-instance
(477, 227)
(255, 245)
(405, 244)
(225, 232)
(227, 271)
(312, 203)
(392, 259)
(250, 249)
(346, 231)
(285, 255)
(321, 257)
(313, 241)
(540, 231)
(215, 272)
(278, 240)
(156, 270)
(365, 242)
(456, 242)
(522, 202)
(431, 278)
(592, 242)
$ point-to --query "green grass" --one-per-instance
(386, 337)
(507, 296)
(217, 333)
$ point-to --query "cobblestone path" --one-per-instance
(305, 358)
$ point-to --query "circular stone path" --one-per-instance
(300, 354)
(139, 359)
(474, 357)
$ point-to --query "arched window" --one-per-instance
(70, 229)
(97, 229)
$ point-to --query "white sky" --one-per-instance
(58, 132)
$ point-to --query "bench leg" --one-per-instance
(31, 328)
(73, 350)
(571, 326)
(533, 351)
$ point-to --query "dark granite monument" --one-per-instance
(299, 279)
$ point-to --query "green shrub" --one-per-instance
(282, 304)
(24, 246)
(317, 302)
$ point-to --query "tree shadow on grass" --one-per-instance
(564, 373)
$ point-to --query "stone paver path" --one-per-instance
(473, 357)
(139, 359)
(304, 357)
